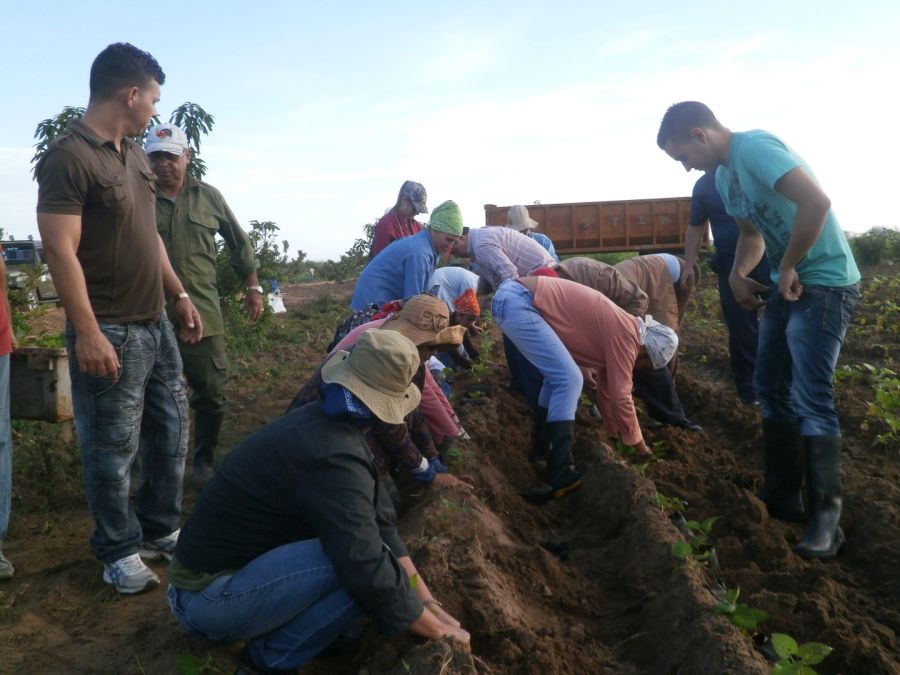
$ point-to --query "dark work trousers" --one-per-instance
(743, 325)
(523, 376)
(656, 389)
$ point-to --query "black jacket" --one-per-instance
(305, 476)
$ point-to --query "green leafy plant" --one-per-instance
(188, 664)
(796, 659)
(457, 456)
(696, 549)
(669, 504)
(741, 615)
(657, 449)
(885, 409)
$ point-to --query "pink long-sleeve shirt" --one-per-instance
(601, 336)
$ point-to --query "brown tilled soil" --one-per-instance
(586, 584)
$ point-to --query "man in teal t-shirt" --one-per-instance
(783, 212)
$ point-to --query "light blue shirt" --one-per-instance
(452, 282)
(544, 241)
(756, 162)
(398, 272)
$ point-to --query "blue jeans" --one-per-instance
(523, 376)
(144, 411)
(525, 327)
(287, 604)
(5, 447)
(743, 325)
(799, 343)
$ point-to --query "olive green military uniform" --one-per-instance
(188, 226)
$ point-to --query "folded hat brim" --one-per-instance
(386, 407)
(419, 336)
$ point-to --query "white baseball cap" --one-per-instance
(166, 138)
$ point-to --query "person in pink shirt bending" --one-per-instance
(607, 344)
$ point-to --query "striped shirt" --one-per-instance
(501, 254)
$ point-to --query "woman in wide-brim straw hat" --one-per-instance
(371, 376)
(424, 320)
(293, 540)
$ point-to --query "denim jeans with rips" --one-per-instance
(287, 604)
(514, 312)
(143, 411)
(799, 343)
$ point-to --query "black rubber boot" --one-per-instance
(540, 442)
(823, 537)
(206, 438)
(562, 477)
(784, 470)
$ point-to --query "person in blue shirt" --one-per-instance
(707, 209)
(403, 268)
(518, 218)
(783, 212)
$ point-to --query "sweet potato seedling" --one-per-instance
(743, 616)
(696, 549)
(796, 659)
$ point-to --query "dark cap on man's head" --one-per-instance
(415, 192)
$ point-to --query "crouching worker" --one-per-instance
(293, 540)
(607, 343)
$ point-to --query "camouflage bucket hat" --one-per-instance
(447, 218)
(415, 192)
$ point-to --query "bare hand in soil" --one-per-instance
(443, 616)
(642, 452)
(443, 480)
(460, 635)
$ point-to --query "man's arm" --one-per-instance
(434, 623)
(749, 251)
(253, 299)
(60, 235)
(693, 239)
(188, 316)
(812, 208)
(243, 260)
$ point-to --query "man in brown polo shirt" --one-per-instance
(96, 215)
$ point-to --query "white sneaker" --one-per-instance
(130, 575)
(164, 547)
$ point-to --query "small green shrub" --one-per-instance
(879, 243)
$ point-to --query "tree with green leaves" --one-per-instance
(190, 117)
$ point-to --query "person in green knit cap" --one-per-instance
(403, 268)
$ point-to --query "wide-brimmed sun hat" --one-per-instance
(379, 372)
(661, 342)
(425, 319)
(518, 219)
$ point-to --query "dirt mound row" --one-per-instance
(582, 585)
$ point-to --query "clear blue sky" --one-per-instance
(323, 109)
